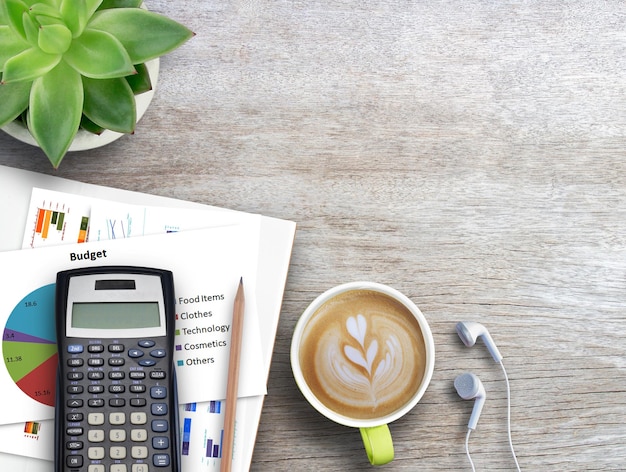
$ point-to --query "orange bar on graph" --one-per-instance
(46, 224)
(40, 214)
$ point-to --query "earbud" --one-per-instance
(469, 331)
(469, 387)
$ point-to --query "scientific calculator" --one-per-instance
(116, 404)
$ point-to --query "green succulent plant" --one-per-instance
(71, 63)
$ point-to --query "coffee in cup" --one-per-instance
(363, 354)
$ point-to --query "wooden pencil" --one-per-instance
(233, 380)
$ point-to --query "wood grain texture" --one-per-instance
(470, 154)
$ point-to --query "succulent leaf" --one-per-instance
(54, 39)
(120, 4)
(41, 9)
(145, 35)
(31, 29)
(56, 97)
(110, 103)
(74, 13)
(14, 99)
(88, 125)
(140, 82)
(13, 12)
(12, 45)
(28, 65)
(48, 20)
(99, 55)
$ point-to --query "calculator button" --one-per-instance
(95, 402)
(116, 361)
(161, 460)
(74, 376)
(159, 409)
(160, 442)
(95, 419)
(95, 348)
(75, 348)
(95, 453)
(137, 375)
(159, 426)
(74, 389)
(116, 348)
(159, 353)
(74, 403)
(157, 374)
(138, 402)
(137, 388)
(118, 468)
(138, 417)
(139, 468)
(74, 417)
(95, 435)
(117, 388)
(134, 353)
(75, 431)
(95, 361)
(139, 452)
(95, 388)
(116, 375)
(74, 445)
(158, 392)
(117, 435)
(95, 468)
(75, 362)
(147, 362)
(146, 343)
(95, 375)
(117, 452)
(117, 418)
(74, 461)
(138, 435)
(117, 402)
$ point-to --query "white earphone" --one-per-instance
(468, 386)
(470, 331)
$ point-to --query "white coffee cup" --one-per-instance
(362, 354)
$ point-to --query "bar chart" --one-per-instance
(56, 221)
(202, 426)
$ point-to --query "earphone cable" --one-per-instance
(508, 415)
(469, 457)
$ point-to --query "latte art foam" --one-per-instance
(363, 354)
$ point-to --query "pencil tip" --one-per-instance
(241, 281)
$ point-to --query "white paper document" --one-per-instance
(206, 239)
(207, 265)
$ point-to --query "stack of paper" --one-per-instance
(208, 250)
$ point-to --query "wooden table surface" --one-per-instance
(470, 154)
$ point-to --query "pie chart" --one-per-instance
(29, 346)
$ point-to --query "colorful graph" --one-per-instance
(29, 345)
(202, 434)
(32, 427)
(55, 219)
(47, 219)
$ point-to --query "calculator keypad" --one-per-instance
(118, 407)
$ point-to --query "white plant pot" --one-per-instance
(85, 140)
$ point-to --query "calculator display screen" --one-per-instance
(116, 315)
